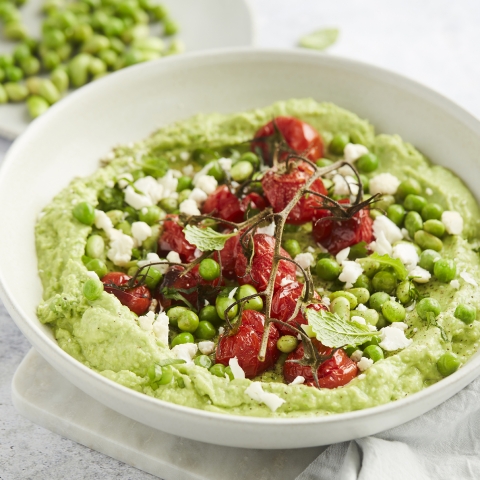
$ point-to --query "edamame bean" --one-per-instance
(184, 195)
(370, 315)
(114, 27)
(13, 74)
(359, 250)
(428, 306)
(466, 313)
(241, 171)
(367, 163)
(352, 299)
(174, 313)
(403, 292)
(15, 31)
(327, 269)
(95, 247)
(6, 60)
(82, 32)
(184, 183)
(447, 364)
(97, 66)
(209, 314)
(125, 227)
(255, 303)
(364, 282)
(428, 258)
(217, 172)
(96, 265)
(203, 361)
(341, 306)
(292, 247)
(396, 213)
(362, 294)
(407, 187)
(445, 270)
(53, 38)
(222, 303)
(33, 84)
(385, 202)
(384, 281)
(251, 158)
(377, 300)
(434, 227)
(374, 352)
(108, 56)
(370, 267)
(205, 330)
(30, 66)
(36, 105)
(413, 223)
(169, 27)
(209, 269)
(338, 143)
(92, 289)
(432, 211)
(427, 241)
(78, 69)
(96, 43)
(49, 91)
(151, 215)
(167, 373)
(152, 277)
(181, 338)
(393, 311)
(287, 343)
(84, 213)
(170, 205)
(414, 202)
(218, 370)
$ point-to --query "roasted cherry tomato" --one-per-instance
(228, 256)
(253, 201)
(283, 305)
(334, 372)
(222, 203)
(335, 235)
(137, 299)
(301, 137)
(245, 345)
(262, 264)
(173, 238)
(280, 187)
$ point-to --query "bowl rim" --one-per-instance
(41, 341)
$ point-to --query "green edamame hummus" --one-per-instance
(417, 308)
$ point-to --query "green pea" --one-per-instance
(396, 213)
(324, 162)
(222, 303)
(96, 265)
(359, 250)
(432, 211)
(341, 306)
(447, 364)
(174, 314)
(292, 247)
(338, 143)
(152, 278)
(367, 163)
(108, 56)
(466, 313)
(218, 370)
(362, 294)
(428, 306)
(151, 215)
(403, 292)
(170, 205)
(255, 303)
(209, 269)
(384, 281)
(384, 202)
(241, 171)
(251, 158)
(445, 270)
(84, 212)
(205, 330)
(216, 171)
(409, 187)
(434, 227)
(378, 299)
(352, 299)
(15, 31)
(327, 269)
(49, 91)
(370, 267)
(209, 314)
(364, 282)
(125, 227)
(188, 321)
(30, 66)
(182, 338)
(78, 69)
(287, 343)
(184, 195)
(184, 183)
(393, 311)
(13, 74)
(36, 105)
(413, 223)
(370, 315)
(428, 258)
(203, 361)
(92, 289)
(167, 372)
(374, 352)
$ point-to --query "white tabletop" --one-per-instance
(433, 41)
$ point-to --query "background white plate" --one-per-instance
(204, 24)
(68, 140)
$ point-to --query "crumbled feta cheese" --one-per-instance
(237, 370)
(364, 364)
(353, 151)
(207, 183)
(184, 156)
(469, 279)
(154, 258)
(356, 355)
(411, 307)
(429, 191)
(160, 327)
(151, 188)
(342, 255)
(393, 338)
(146, 321)
(232, 292)
(189, 207)
(140, 232)
(136, 200)
(455, 284)
(102, 221)
(221, 330)
(268, 230)
(384, 183)
(225, 163)
(124, 180)
(298, 380)
(305, 260)
(401, 325)
(357, 319)
(185, 351)
(188, 170)
(350, 273)
(407, 254)
(381, 245)
(255, 392)
(361, 307)
(92, 275)
(384, 224)
(372, 328)
(206, 347)
(310, 249)
(344, 185)
(420, 275)
(174, 257)
(169, 184)
(453, 222)
(198, 196)
(121, 246)
(405, 234)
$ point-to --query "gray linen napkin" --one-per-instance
(443, 444)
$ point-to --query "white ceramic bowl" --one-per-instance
(126, 106)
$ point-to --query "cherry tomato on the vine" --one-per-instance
(245, 345)
(137, 299)
(173, 238)
(222, 203)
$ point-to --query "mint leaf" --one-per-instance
(206, 239)
(334, 332)
(320, 40)
(386, 261)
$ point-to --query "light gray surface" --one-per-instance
(434, 41)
